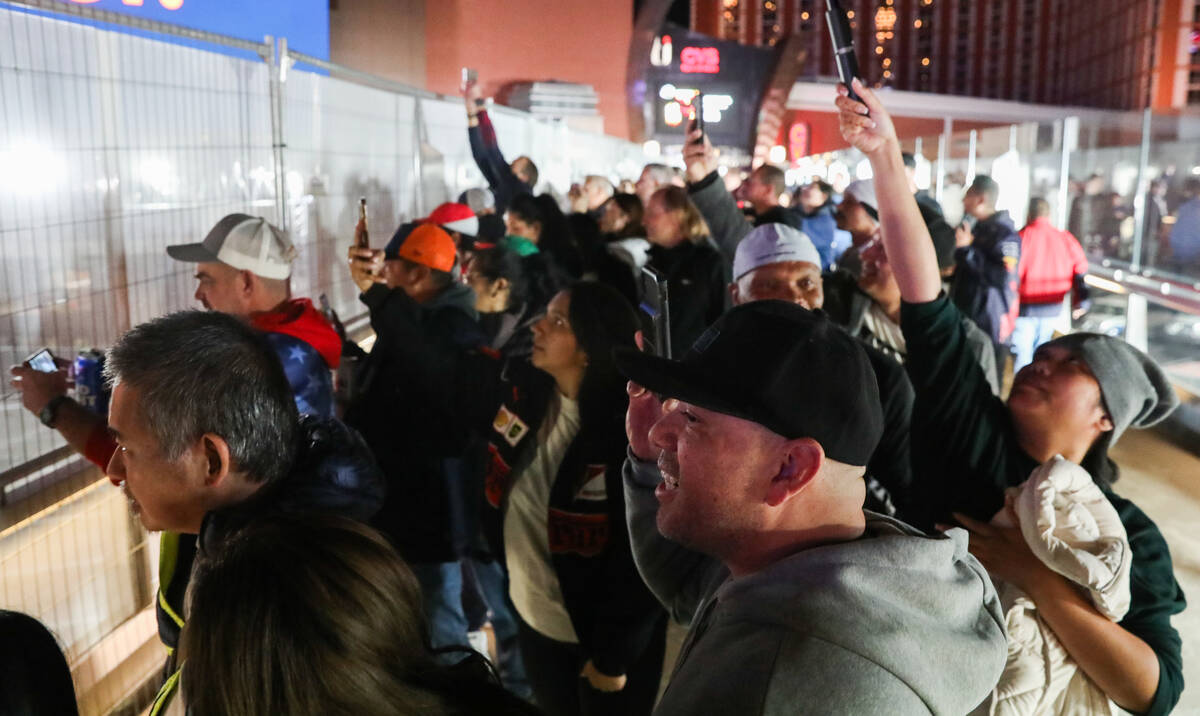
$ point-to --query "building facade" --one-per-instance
(1113, 54)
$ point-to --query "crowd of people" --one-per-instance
(1105, 221)
(510, 500)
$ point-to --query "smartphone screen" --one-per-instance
(42, 361)
(655, 309)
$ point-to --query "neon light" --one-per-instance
(673, 114)
(134, 3)
(700, 60)
(798, 136)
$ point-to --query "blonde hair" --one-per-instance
(691, 221)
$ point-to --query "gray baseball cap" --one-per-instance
(244, 242)
(773, 244)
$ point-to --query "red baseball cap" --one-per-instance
(454, 217)
(430, 246)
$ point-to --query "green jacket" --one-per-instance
(965, 453)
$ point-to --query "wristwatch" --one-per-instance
(50, 412)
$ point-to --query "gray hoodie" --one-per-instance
(894, 622)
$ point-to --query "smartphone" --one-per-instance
(843, 45)
(42, 361)
(469, 77)
(655, 308)
(362, 236)
(698, 109)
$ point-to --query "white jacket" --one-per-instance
(1072, 527)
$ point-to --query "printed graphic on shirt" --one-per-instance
(503, 419)
(509, 425)
(516, 431)
(495, 481)
(594, 487)
(584, 534)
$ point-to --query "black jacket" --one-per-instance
(408, 426)
(612, 611)
(486, 150)
(695, 287)
(504, 400)
(986, 277)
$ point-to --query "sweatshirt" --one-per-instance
(894, 622)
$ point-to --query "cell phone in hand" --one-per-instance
(698, 113)
(469, 77)
(843, 45)
(655, 311)
(42, 361)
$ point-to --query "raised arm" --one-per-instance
(85, 431)
(707, 191)
(909, 247)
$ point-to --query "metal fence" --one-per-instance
(116, 141)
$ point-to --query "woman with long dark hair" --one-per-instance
(554, 510)
(318, 615)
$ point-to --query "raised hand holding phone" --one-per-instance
(864, 123)
(699, 160)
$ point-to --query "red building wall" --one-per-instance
(532, 40)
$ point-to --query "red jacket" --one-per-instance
(1050, 260)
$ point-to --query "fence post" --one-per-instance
(944, 140)
(277, 60)
(1139, 196)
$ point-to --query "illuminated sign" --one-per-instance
(660, 51)
(305, 23)
(799, 138)
(679, 105)
(700, 60)
(683, 63)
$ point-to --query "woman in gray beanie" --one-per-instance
(1076, 399)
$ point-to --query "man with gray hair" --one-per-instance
(208, 437)
(653, 178)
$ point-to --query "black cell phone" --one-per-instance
(698, 108)
(843, 45)
(42, 361)
(656, 312)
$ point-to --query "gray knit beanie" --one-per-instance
(1134, 388)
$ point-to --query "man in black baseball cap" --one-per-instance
(744, 493)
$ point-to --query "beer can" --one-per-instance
(90, 389)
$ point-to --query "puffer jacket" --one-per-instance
(1072, 528)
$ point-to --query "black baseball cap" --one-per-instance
(782, 366)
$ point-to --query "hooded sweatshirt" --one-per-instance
(894, 622)
(308, 347)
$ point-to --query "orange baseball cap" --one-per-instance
(431, 246)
